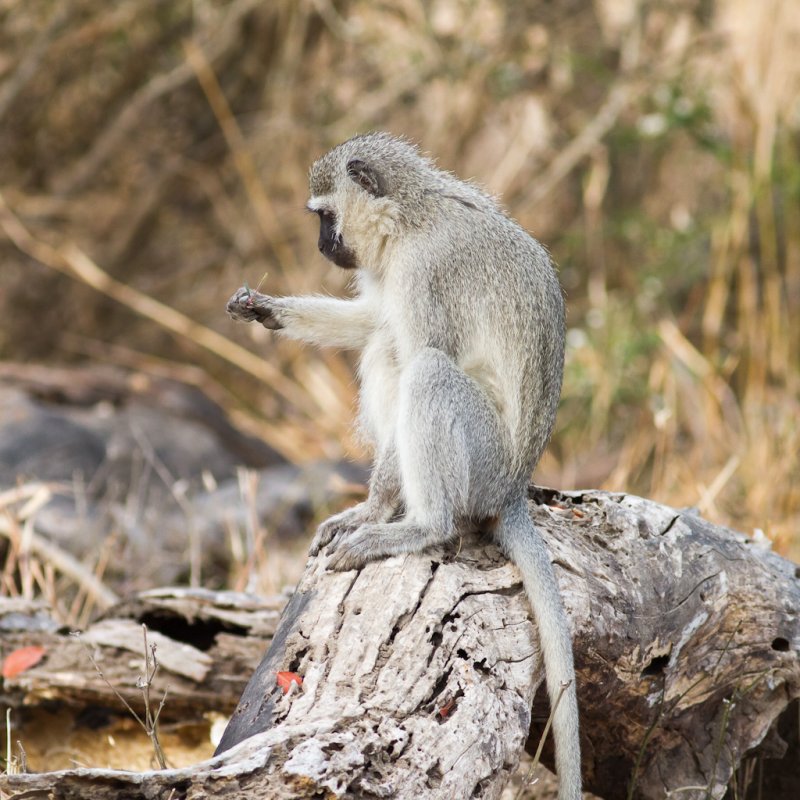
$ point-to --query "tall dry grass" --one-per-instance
(653, 147)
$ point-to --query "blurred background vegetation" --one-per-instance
(653, 146)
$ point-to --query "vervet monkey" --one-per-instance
(460, 319)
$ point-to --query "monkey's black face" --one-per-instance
(331, 245)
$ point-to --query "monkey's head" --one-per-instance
(365, 191)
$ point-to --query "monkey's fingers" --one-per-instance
(239, 306)
(323, 537)
(248, 306)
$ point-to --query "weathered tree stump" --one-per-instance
(418, 672)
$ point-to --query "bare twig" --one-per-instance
(11, 764)
(542, 738)
(105, 680)
(150, 721)
(645, 741)
(22, 757)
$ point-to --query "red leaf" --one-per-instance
(22, 659)
(286, 679)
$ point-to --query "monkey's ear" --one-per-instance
(367, 178)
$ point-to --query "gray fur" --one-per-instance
(460, 319)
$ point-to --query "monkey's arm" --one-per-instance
(326, 321)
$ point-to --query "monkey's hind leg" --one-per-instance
(452, 463)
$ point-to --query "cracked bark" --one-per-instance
(419, 672)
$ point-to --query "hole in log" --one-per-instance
(298, 660)
(461, 653)
(200, 634)
(395, 631)
(481, 788)
(481, 666)
(94, 718)
(548, 497)
(780, 644)
(656, 666)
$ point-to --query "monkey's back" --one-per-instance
(497, 309)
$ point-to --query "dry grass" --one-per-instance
(34, 567)
(654, 150)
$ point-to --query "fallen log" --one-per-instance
(71, 696)
(204, 640)
(418, 673)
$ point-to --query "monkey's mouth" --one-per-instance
(337, 251)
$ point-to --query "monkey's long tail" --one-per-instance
(522, 543)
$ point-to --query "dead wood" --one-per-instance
(418, 673)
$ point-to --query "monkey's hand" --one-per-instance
(246, 306)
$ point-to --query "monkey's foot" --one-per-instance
(246, 306)
(371, 542)
(371, 512)
(342, 523)
(354, 550)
